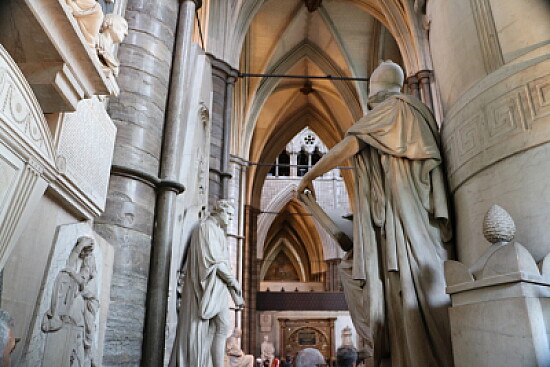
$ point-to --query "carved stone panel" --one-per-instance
(69, 319)
(85, 151)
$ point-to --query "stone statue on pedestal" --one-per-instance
(204, 315)
(267, 349)
(237, 358)
(113, 31)
(400, 225)
(70, 320)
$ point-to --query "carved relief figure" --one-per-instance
(401, 222)
(89, 16)
(204, 314)
(237, 358)
(113, 31)
(70, 320)
(267, 349)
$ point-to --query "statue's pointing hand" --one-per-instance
(306, 186)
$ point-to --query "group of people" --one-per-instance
(276, 362)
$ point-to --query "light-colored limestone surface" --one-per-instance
(44, 348)
(500, 304)
(88, 132)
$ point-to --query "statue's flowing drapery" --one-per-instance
(204, 296)
(401, 220)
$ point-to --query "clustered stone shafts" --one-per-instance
(139, 114)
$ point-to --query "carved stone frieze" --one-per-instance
(475, 130)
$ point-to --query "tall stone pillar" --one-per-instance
(223, 80)
(139, 113)
(168, 188)
(494, 81)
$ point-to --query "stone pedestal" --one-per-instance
(499, 308)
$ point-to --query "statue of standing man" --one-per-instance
(393, 277)
(204, 314)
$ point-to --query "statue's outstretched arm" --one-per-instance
(342, 151)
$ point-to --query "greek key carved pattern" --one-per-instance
(508, 116)
(539, 90)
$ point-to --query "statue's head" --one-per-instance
(224, 211)
(237, 333)
(266, 338)
(117, 27)
(84, 246)
(388, 77)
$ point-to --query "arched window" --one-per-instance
(316, 156)
(303, 163)
(284, 164)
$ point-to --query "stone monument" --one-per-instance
(401, 224)
(500, 304)
(237, 358)
(204, 319)
(70, 320)
(267, 350)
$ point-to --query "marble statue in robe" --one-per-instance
(267, 350)
(393, 277)
(204, 314)
(237, 358)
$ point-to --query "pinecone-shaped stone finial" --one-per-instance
(498, 225)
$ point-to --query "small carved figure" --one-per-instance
(89, 16)
(113, 31)
(204, 319)
(73, 309)
(237, 358)
(267, 349)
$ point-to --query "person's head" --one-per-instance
(117, 27)
(7, 340)
(387, 78)
(346, 357)
(266, 363)
(224, 211)
(288, 359)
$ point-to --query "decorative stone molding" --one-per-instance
(498, 304)
(27, 161)
(488, 35)
(491, 113)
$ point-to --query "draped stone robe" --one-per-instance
(401, 220)
(204, 295)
